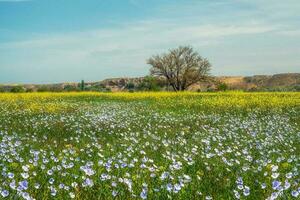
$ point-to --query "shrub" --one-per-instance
(29, 90)
(2, 89)
(17, 89)
(43, 89)
(222, 87)
(149, 83)
(71, 88)
(297, 88)
(130, 86)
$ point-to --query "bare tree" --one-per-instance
(181, 67)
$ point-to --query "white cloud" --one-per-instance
(138, 36)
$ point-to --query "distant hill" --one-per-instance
(276, 82)
(263, 82)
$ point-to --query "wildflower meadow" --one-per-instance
(159, 145)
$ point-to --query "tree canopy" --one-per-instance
(182, 67)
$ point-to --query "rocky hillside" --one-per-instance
(261, 82)
(277, 82)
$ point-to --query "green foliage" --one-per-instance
(222, 87)
(56, 89)
(97, 88)
(52, 88)
(71, 88)
(2, 89)
(130, 86)
(149, 83)
(297, 88)
(17, 89)
(29, 90)
(82, 86)
(43, 89)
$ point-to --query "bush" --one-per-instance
(55, 88)
(2, 90)
(222, 87)
(130, 86)
(71, 88)
(149, 84)
(297, 88)
(18, 89)
(43, 89)
(97, 88)
(29, 90)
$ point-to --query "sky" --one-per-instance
(49, 41)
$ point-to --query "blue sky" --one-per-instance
(47, 41)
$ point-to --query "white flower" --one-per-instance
(10, 175)
(4, 193)
(72, 195)
(25, 168)
(88, 183)
(25, 175)
(246, 191)
(274, 168)
(114, 193)
(295, 193)
(275, 175)
(87, 170)
(143, 194)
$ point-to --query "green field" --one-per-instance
(150, 146)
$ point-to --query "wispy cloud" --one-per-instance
(141, 34)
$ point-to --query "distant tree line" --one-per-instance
(149, 83)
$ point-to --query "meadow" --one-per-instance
(185, 145)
